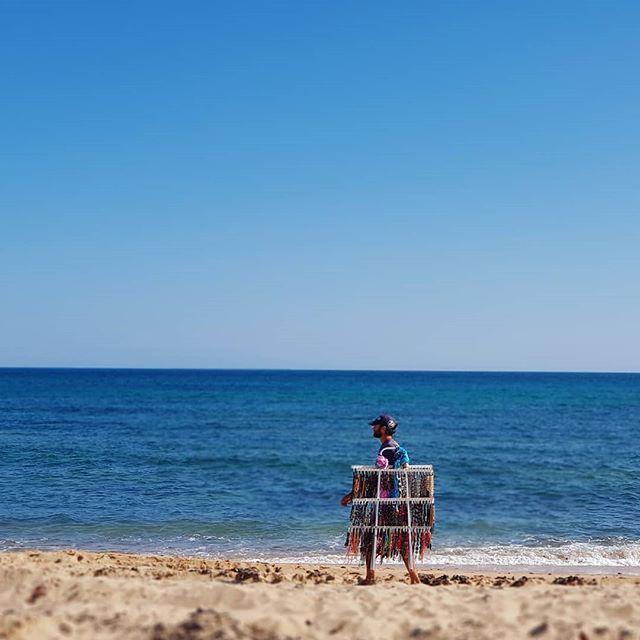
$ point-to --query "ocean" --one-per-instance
(532, 469)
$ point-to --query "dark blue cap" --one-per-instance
(385, 421)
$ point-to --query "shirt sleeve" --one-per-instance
(401, 457)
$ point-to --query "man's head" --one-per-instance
(383, 426)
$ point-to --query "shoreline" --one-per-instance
(88, 594)
(345, 561)
(534, 569)
(395, 569)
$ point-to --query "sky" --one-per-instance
(331, 185)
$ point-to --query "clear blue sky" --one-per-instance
(413, 185)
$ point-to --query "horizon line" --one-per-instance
(309, 369)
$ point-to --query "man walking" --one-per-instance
(393, 456)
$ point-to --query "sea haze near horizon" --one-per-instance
(536, 469)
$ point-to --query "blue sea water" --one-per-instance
(531, 468)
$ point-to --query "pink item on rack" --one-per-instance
(382, 463)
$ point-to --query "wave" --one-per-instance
(626, 554)
(579, 555)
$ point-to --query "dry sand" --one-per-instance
(77, 594)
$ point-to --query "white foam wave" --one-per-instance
(570, 554)
(579, 555)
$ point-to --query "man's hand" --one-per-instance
(346, 499)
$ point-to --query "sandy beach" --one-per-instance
(78, 594)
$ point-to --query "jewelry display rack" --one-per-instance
(392, 513)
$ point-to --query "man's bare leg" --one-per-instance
(370, 578)
(413, 576)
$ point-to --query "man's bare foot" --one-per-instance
(366, 581)
(414, 578)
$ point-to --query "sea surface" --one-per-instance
(533, 469)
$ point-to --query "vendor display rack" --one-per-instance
(392, 513)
